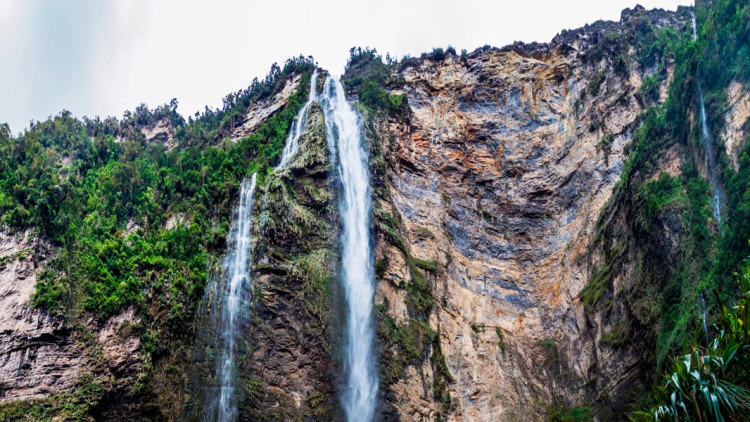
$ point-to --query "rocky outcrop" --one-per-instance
(43, 356)
(38, 354)
(261, 111)
(735, 122)
(291, 358)
(160, 132)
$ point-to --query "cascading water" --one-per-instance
(292, 140)
(717, 197)
(343, 132)
(234, 298)
(298, 126)
(703, 314)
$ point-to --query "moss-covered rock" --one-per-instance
(289, 364)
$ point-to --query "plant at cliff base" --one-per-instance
(712, 383)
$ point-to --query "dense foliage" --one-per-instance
(664, 298)
(133, 223)
(711, 382)
(367, 75)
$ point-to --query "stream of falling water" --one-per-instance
(703, 315)
(717, 194)
(233, 303)
(298, 126)
(292, 140)
(343, 133)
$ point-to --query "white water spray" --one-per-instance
(717, 197)
(298, 126)
(343, 132)
(703, 314)
(234, 301)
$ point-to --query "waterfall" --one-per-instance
(717, 197)
(343, 132)
(292, 140)
(233, 301)
(298, 126)
(703, 314)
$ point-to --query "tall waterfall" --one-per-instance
(717, 197)
(343, 132)
(234, 299)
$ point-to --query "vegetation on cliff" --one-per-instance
(711, 381)
(134, 224)
(667, 297)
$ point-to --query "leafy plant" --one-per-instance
(711, 382)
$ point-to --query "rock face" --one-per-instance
(161, 132)
(43, 357)
(286, 361)
(259, 112)
(499, 177)
(735, 121)
(38, 356)
(290, 361)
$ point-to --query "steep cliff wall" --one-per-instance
(495, 180)
(291, 361)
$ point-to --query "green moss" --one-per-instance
(315, 268)
(408, 344)
(601, 278)
(482, 213)
(69, 406)
(424, 233)
(596, 82)
(649, 89)
(500, 339)
(549, 349)
(419, 291)
(615, 337)
(561, 413)
(431, 266)
(605, 145)
(381, 266)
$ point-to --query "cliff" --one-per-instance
(496, 178)
(529, 264)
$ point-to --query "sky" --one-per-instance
(100, 58)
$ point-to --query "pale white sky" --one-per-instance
(97, 57)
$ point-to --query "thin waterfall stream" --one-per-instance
(343, 132)
(298, 126)
(717, 194)
(703, 315)
(234, 294)
(292, 140)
